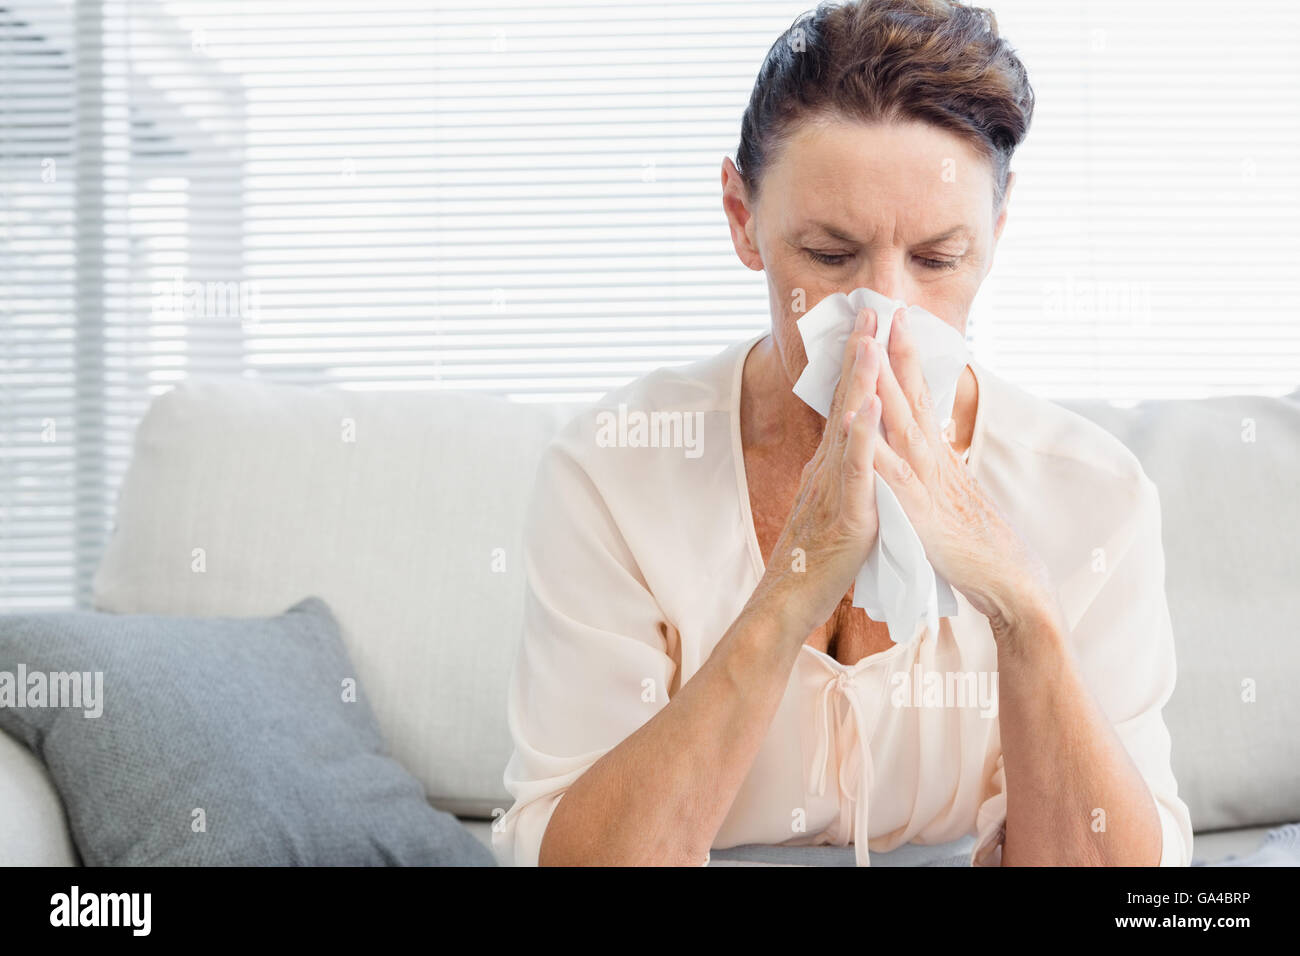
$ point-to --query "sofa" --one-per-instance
(403, 511)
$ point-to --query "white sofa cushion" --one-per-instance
(33, 827)
(1227, 469)
(402, 510)
(397, 532)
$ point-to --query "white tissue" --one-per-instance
(897, 585)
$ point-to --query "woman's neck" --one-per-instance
(771, 415)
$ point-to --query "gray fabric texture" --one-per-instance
(1280, 847)
(244, 719)
(955, 853)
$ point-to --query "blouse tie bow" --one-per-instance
(852, 754)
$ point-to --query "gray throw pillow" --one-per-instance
(216, 741)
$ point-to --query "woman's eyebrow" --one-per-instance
(832, 232)
(950, 233)
(958, 230)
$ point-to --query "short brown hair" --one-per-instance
(936, 61)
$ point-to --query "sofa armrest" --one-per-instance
(33, 828)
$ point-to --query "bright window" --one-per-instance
(523, 198)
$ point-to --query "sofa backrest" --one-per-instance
(403, 511)
(1228, 473)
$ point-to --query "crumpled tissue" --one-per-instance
(897, 585)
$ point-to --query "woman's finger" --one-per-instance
(862, 381)
(846, 364)
(902, 432)
(863, 329)
(858, 469)
(906, 363)
(901, 478)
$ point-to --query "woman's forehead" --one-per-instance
(846, 178)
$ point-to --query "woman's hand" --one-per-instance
(833, 524)
(966, 537)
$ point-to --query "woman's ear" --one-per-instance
(1002, 213)
(740, 218)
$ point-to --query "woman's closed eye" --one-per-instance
(839, 258)
(828, 258)
(939, 264)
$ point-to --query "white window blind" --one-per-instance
(523, 198)
(1151, 249)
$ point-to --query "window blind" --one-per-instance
(1150, 250)
(523, 198)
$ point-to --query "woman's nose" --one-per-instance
(888, 278)
(890, 286)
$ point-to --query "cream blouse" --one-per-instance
(640, 552)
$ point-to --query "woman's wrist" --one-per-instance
(762, 640)
(1011, 586)
(1027, 619)
(781, 599)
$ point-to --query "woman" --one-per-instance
(693, 674)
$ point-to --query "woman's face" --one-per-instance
(905, 209)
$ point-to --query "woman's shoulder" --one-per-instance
(705, 385)
(1067, 483)
(1022, 426)
(1073, 490)
(648, 466)
(683, 409)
